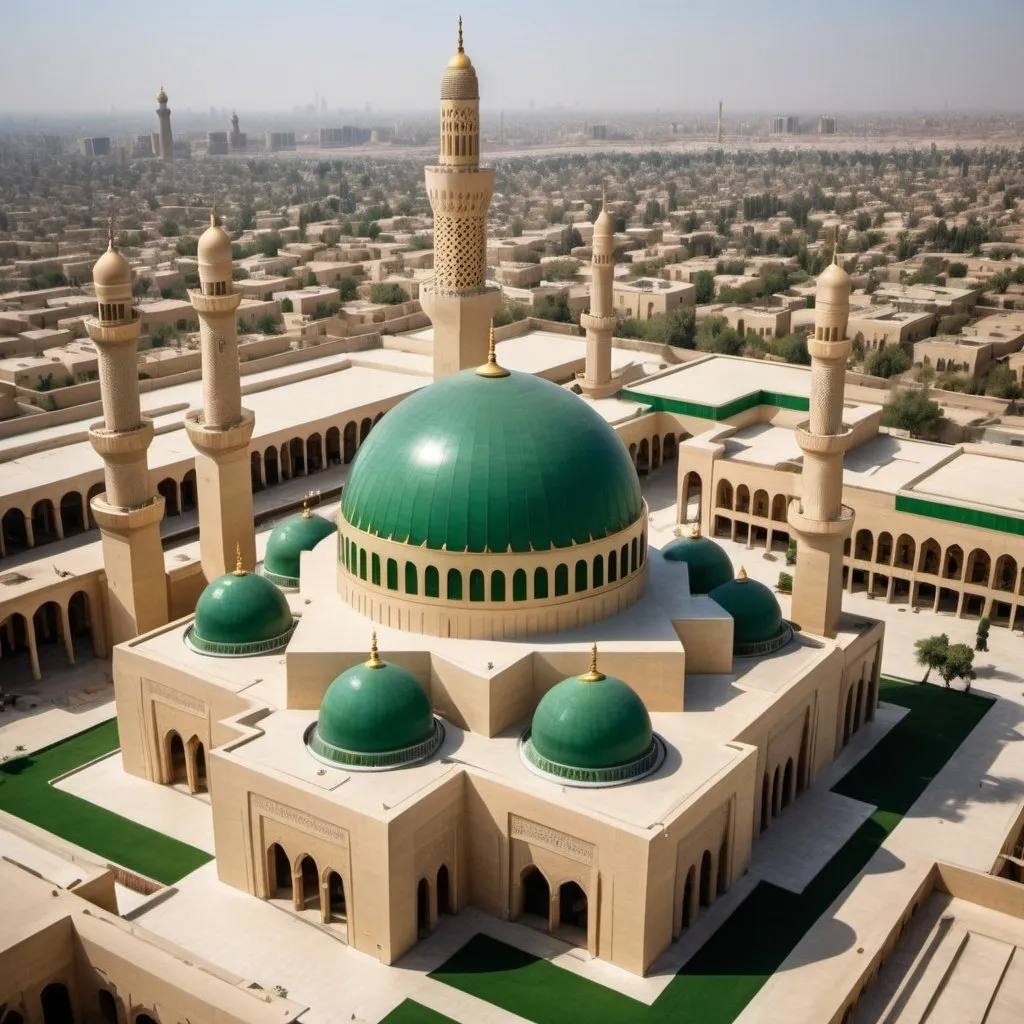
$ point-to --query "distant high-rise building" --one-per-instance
(144, 145)
(217, 143)
(785, 125)
(599, 131)
(826, 126)
(163, 113)
(277, 142)
(97, 146)
(237, 140)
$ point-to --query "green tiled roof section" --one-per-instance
(474, 463)
(660, 403)
(1000, 522)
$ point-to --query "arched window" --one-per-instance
(598, 571)
(581, 575)
(411, 581)
(540, 584)
(454, 585)
(632, 555)
(624, 561)
(375, 569)
(613, 565)
(561, 580)
(431, 581)
(519, 585)
(362, 563)
(392, 574)
(497, 586)
(476, 586)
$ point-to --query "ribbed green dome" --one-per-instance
(708, 564)
(375, 715)
(755, 611)
(492, 463)
(591, 723)
(287, 542)
(238, 614)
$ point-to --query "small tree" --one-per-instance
(890, 361)
(287, 306)
(785, 583)
(931, 653)
(791, 553)
(389, 293)
(981, 640)
(912, 411)
(704, 281)
(958, 664)
(268, 324)
(347, 289)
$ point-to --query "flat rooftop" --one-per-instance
(977, 480)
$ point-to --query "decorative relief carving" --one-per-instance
(299, 819)
(170, 696)
(560, 842)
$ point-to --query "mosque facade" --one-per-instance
(485, 684)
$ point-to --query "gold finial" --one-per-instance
(213, 216)
(604, 196)
(110, 232)
(307, 512)
(460, 35)
(741, 576)
(592, 675)
(491, 367)
(239, 569)
(374, 659)
(695, 529)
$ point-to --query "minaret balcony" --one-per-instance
(114, 333)
(120, 445)
(597, 322)
(823, 444)
(212, 440)
(829, 351)
(839, 525)
(214, 305)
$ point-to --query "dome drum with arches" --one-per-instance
(240, 615)
(758, 625)
(591, 730)
(375, 716)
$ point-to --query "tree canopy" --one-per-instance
(912, 410)
(890, 361)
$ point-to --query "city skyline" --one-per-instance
(834, 59)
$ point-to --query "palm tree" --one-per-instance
(931, 653)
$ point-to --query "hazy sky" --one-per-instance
(675, 55)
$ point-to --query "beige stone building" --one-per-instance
(643, 297)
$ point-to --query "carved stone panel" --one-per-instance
(299, 819)
(560, 842)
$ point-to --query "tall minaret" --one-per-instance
(819, 520)
(456, 298)
(719, 122)
(163, 112)
(599, 322)
(128, 513)
(221, 430)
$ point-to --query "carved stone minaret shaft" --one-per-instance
(128, 513)
(818, 519)
(163, 113)
(599, 323)
(456, 298)
(221, 431)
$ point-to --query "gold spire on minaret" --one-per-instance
(110, 232)
(491, 367)
(460, 60)
(592, 675)
(239, 568)
(213, 216)
(374, 659)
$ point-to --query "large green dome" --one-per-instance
(758, 627)
(592, 729)
(287, 542)
(709, 566)
(478, 463)
(239, 614)
(375, 715)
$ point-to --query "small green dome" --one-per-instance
(238, 614)
(592, 729)
(492, 462)
(709, 565)
(287, 542)
(757, 617)
(375, 715)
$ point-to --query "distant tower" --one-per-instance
(236, 140)
(128, 513)
(818, 519)
(221, 430)
(599, 322)
(456, 298)
(163, 113)
(719, 122)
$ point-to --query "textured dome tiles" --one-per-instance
(480, 464)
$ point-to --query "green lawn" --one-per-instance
(410, 1012)
(725, 974)
(25, 792)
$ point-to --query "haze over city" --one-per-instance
(752, 54)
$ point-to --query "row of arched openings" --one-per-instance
(308, 888)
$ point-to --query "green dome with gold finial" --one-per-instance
(240, 614)
(591, 730)
(375, 716)
(758, 626)
(287, 542)
(708, 564)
